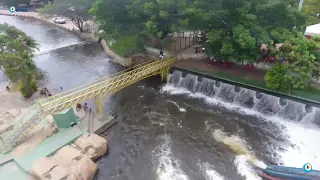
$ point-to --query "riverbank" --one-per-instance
(33, 157)
(69, 26)
(254, 78)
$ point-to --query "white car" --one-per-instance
(59, 20)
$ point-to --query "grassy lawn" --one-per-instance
(124, 45)
(310, 93)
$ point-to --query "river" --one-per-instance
(190, 128)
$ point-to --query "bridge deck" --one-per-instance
(97, 89)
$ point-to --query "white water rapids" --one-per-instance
(302, 132)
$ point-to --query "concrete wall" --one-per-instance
(182, 43)
(114, 57)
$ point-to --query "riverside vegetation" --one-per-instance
(232, 30)
(16, 59)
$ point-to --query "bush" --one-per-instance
(27, 89)
(124, 45)
(275, 77)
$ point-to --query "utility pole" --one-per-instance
(92, 123)
(89, 123)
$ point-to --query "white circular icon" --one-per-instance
(12, 9)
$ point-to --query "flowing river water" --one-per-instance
(189, 128)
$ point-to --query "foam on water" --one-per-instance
(180, 108)
(238, 145)
(306, 148)
(209, 172)
(244, 168)
(244, 156)
(168, 166)
(304, 136)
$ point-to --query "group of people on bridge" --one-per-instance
(45, 91)
(85, 107)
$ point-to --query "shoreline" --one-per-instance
(70, 27)
(87, 147)
(84, 149)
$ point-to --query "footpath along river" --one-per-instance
(190, 128)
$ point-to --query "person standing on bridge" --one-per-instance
(45, 92)
(161, 54)
(49, 94)
(85, 107)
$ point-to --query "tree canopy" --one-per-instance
(17, 51)
(312, 9)
(232, 30)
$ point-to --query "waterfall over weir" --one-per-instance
(258, 101)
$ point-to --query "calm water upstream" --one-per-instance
(190, 128)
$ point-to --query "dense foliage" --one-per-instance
(16, 55)
(312, 9)
(232, 30)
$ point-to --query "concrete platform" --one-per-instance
(99, 122)
(19, 166)
(12, 171)
(48, 147)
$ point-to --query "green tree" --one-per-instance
(139, 17)
(312, 8)
(235, 30)
(276, 77)
(16, 58)
(115, 19)
(296, 63)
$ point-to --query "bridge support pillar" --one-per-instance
(98, 104)
(164, 74)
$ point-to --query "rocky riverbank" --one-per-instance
(74, 161)
(71, 162)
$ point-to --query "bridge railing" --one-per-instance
(70, 91)
(103, 86)
(58, 104)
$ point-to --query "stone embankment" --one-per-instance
(71, 162)
(69, 26)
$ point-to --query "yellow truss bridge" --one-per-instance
(98, 90)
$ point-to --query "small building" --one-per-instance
(312, 30)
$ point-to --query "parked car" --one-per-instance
(59, 20)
